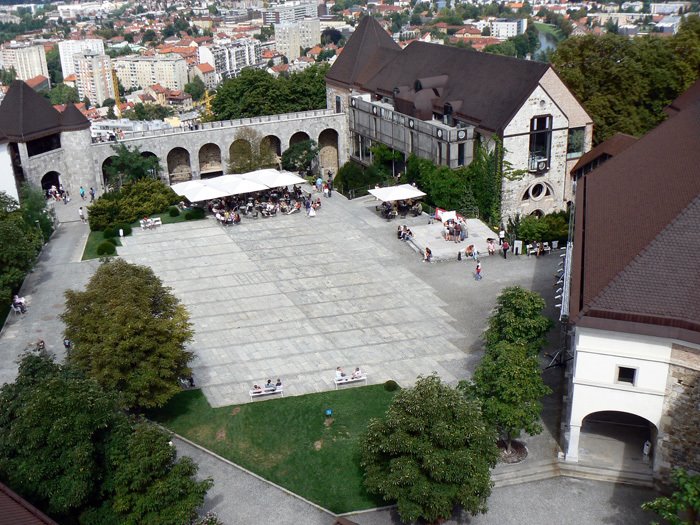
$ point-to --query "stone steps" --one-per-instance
(506, 475)
(626, 477)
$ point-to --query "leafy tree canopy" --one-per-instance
(148, 112)
(196, 88)
(683, 506)
(130, 165)
(129, 334)
(63, 94)
(300, 156)
(624, 83)
(250, 151)
(431, 452)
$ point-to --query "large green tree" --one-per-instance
(300, 156)
(518, 319)
(53, 64)
(148, 112)
(682, 507)
(129, 165)
(63, 94)
(196, 88)
(250, 151)
(508, 381)
(624, 83)
(129, 334)
(431, 452)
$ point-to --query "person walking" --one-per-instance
(81, 214)
(319, 184)
(92, 194)
(330, 183)
(477, 275)
(505, 246)
(82, 193)
(501, 236)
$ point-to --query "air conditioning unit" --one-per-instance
(538, 164)
(541, 165)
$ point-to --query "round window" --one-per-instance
(537, 191)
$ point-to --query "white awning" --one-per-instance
(273, 178)
(235, 184)
(397, 193)
(197, 190)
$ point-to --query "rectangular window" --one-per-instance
(460, 154)
(626, 375)
(540, 143)
(338, 105)
(574, 144)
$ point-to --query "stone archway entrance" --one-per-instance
(52, 178)
(105, 176)
(210, 161)
(616, 440)
(298, 137)
(179, 168)
(328, 150)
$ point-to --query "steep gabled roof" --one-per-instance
(26, 115)
(16, 510)
(688, 98)
(610, 147)
(637, 223)
(73, 120)
(367, 51)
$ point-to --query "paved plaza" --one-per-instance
(295, 297)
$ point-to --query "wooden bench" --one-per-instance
(348, 379)
(266, 392)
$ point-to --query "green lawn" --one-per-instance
(552, 30)
(94, 240)
(286, 440)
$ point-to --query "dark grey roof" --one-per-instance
(25, 115)
(72, 119)
(610, 147)
(637, 217)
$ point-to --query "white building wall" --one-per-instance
(28, 61)
(598, 354)
(68, 48)
(7, 175)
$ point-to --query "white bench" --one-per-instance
(157, 222)
(348, 379)
(266, 392)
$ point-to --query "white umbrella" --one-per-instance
(397, 193)
(198, 190)
(273, 178)
(235, 184)
(448, 215)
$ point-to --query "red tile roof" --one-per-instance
(17, 511)
(206, 68)
(36, 81)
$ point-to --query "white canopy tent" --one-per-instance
(397, 193)
(225, 185)
(235, 184)
(197, 190)
(273, 178)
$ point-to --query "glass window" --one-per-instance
(626, 375)
(574, 145)
(540, 143)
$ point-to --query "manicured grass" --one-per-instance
(94, 240)
(552, 30)
(287, 441)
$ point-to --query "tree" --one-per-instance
(250, 151)
(196, 88)
(129, 334)
(508, 381)
(430, 452)
(130, 165)
(148, 112)
(87, 102)
(331, 36)
(149, 36)
(108, 102)
(518, 319)
(683, 506)
(53, 64)
(52, 434)
(63, 94)
(300, 156)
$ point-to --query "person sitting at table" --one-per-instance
(284, 207)
(256, 389)
(469, 251)
(417, 209)
(357, 374)
(236, 218)
(339, 374)
(269, 385)
(295, 208)
(279, 383)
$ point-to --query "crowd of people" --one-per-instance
(267, 387)
(455, 230)
(391, 210)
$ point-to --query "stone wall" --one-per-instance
(679, 437)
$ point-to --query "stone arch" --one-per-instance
(210, 161)
(299, 136)
(271, 143)
(179, 167)
(51, 178)
(538, 191)
(240, 156)
(328, 150)
(617, 436)
(105, 164)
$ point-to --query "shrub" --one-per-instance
(112, 240)
(194, 214)
(106, 248)
(126, 228)
(174, 211)
(391, 386)
(110, 231)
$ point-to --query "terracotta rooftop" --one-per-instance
(36, 81)
(637, 217)
(17, 511)
(206, 68)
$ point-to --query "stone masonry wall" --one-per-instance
(679, 432)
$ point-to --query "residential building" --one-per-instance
(633, 305)
(27, 61)
(39, 83)
(505, 28)
(93, 76)
(290, 38)
(206, 73)
(290, 12)
(228, 59)
(68, 48)
(441, 103)
(169, 70)
(668, 8)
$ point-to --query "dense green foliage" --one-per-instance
(129, 334)
(133, 201)
(354, 179)
(148, 112)
(53, 64)
(551, 227)
(255, 92)
(196, 88)
(128, 164)
(106, 248)
(431, 452)
(250, 151)
(300, 156)
(624, 83)
(67, 447)
(508, 381)
(62, 94)
(518, 46)
(23, 231)
(518, 319)
(288, 440)
(682, 507)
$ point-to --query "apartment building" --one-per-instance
(93, 76)
(228, 59)
(505, 28)
(290, 12)
(168, 70)
(291, 37)
(68, 48)
(27, 61)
